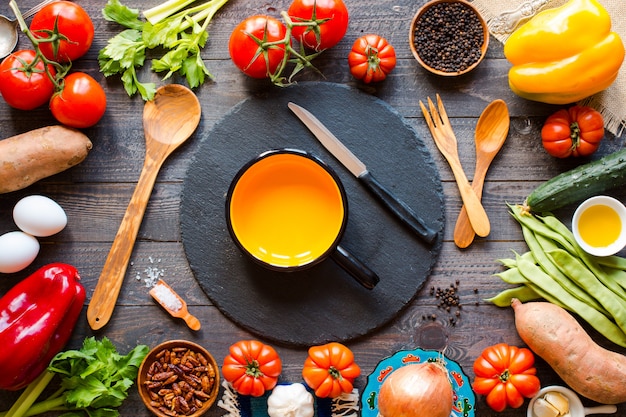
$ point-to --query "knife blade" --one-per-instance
(399, 208)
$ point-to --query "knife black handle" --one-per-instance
(357, 269)
(399, 208)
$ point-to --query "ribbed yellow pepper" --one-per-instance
(564, 54)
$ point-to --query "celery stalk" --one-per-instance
(30, 395)
(157, 13)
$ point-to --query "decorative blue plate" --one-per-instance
(464, 398)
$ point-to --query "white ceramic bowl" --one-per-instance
(619, 243)
(576, 408)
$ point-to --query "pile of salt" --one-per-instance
(166, 297)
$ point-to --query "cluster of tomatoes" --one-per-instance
(253, 368)
(61, 33)
(261, 46)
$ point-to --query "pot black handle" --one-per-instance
(357, 269)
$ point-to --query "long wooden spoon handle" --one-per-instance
(463, 232)
(475, 210)
(110, 282)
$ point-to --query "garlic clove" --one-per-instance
(558, 401)
(543, 408)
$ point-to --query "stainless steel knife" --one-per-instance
(400, 209)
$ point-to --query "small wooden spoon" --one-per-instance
(491, 132)
(168, 121)
(160, 291)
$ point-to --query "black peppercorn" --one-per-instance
(449, 36)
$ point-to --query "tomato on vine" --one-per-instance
(331, 17)
(80, 103)
(247, 50)
(576, 131)
(505, 375)
(67, 26)
(372, 57)
(252, 367)
(24, 83)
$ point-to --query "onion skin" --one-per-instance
(416, 390)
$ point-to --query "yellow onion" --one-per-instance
(416, 390)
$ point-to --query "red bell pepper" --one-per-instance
(37, 317)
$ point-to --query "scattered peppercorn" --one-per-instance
(449, 36)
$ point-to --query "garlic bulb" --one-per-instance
(290, 401)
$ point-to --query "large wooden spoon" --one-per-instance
(491, 132)
(168, 121)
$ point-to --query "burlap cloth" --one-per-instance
(611, 102)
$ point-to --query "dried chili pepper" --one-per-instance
(37, 317)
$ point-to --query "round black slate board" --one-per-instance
(323, 303)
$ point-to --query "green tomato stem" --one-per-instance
(61, 70)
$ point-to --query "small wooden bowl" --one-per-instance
(153, 356)
(418, 16)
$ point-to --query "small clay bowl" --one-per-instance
(155, 354)
(418, 20)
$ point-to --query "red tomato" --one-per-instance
(81, 103)
(23, 85)
(576, 131)
(506, 375)
(330, 370)
(332, 22)
(371, 58)
(252, 367)
(73, 34)
(246, 51)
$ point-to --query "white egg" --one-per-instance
(39, 216)
(17, 251)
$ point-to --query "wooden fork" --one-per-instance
(445, 140)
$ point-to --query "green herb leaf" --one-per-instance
(116, 12)
(94, 381)
(181, 36)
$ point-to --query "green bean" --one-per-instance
(591, 261)
(615, 268)
(539, 245)
(617, 275)
(615, 262)
(507, 262)
(540, 227)
(577, 271)
(547, 288)
(512, 276)
(522, 293)
(560, 228)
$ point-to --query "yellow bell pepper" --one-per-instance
(564, 54)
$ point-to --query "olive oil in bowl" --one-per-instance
(599, 226)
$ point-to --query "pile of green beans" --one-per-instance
(556, 269)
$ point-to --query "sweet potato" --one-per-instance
(557, 337)
(40, 153)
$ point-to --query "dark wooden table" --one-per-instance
(95, 195)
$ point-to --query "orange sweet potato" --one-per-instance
(557, 337)
(34, 155)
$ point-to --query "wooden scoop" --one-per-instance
(173, 303)
(168, 120)
(491, 132)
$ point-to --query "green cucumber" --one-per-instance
(580, 183)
